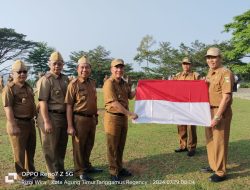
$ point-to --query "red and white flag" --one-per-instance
(181, 102)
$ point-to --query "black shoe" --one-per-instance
(94, 170)
(115, 178)
(85, 177)
(125, 173)
(38, 175)
(216, 178)
(191, 153)
(206, 170)
(181, 150)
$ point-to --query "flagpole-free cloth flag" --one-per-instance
(173, 102)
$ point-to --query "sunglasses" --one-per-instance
(24, 72)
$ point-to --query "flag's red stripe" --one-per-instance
(173, 90)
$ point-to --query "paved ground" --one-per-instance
(243, 93)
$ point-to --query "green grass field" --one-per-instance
(149, 155)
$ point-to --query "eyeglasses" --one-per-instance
(24, 72)
(184, 63)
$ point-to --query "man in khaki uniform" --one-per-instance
(19, 106)
(52, 117)
(220, 80)
(116, 94)
(187, 133)
(82, 118)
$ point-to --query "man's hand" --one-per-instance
(13, 130)
(48, 127)
(215, 121)
(133, 115)
(71, 131)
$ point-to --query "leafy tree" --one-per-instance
(144, 52)
(240, 29)
(13, 45)
(38, 58)
(100, 63)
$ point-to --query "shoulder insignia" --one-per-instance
(178, 74)
(11, 84)
(48, 75)
(74, 80)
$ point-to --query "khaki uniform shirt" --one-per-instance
(52, 89)
(20, 98)
(221, 82)
(116, 91)
(82, 95)
(187, 76)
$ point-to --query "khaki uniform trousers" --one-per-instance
(24, 146)
(54, 144)
(217, 142)
(83, 142)
(116, 128)
(187, 136)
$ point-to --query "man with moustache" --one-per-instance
(19, 106)
(187, 133)
(52, 117)
(82, 118)
(220, 81)
(116, 94)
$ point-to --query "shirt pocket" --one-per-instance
(82, 95)
(56, 92)
(22, 98)
(216, 86)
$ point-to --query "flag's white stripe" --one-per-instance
(165, 112)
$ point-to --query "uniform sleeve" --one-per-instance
(197, 76)
(44, 90)
(70, 94)
(7, 97)
(227, 82)
(109, 92)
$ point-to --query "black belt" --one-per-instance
(84, 114)
(119, 114)
(212, 107)
(24, 118)
(56, 111)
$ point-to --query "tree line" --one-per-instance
(160, 59)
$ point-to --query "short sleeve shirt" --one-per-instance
(52, 89)
(20, 98)
(82, 95)
(116, 91)
(187, 76)
(221, 82)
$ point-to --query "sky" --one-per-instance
(119, 25)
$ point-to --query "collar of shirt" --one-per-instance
(55, 76)
(82, 80)
(121, 81)
(185, 73)
(19, 84)
(214, 71)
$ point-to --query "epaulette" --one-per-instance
(73, 80)
(48, 75)
(224, 69)
(178, 74)
(10, 84)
